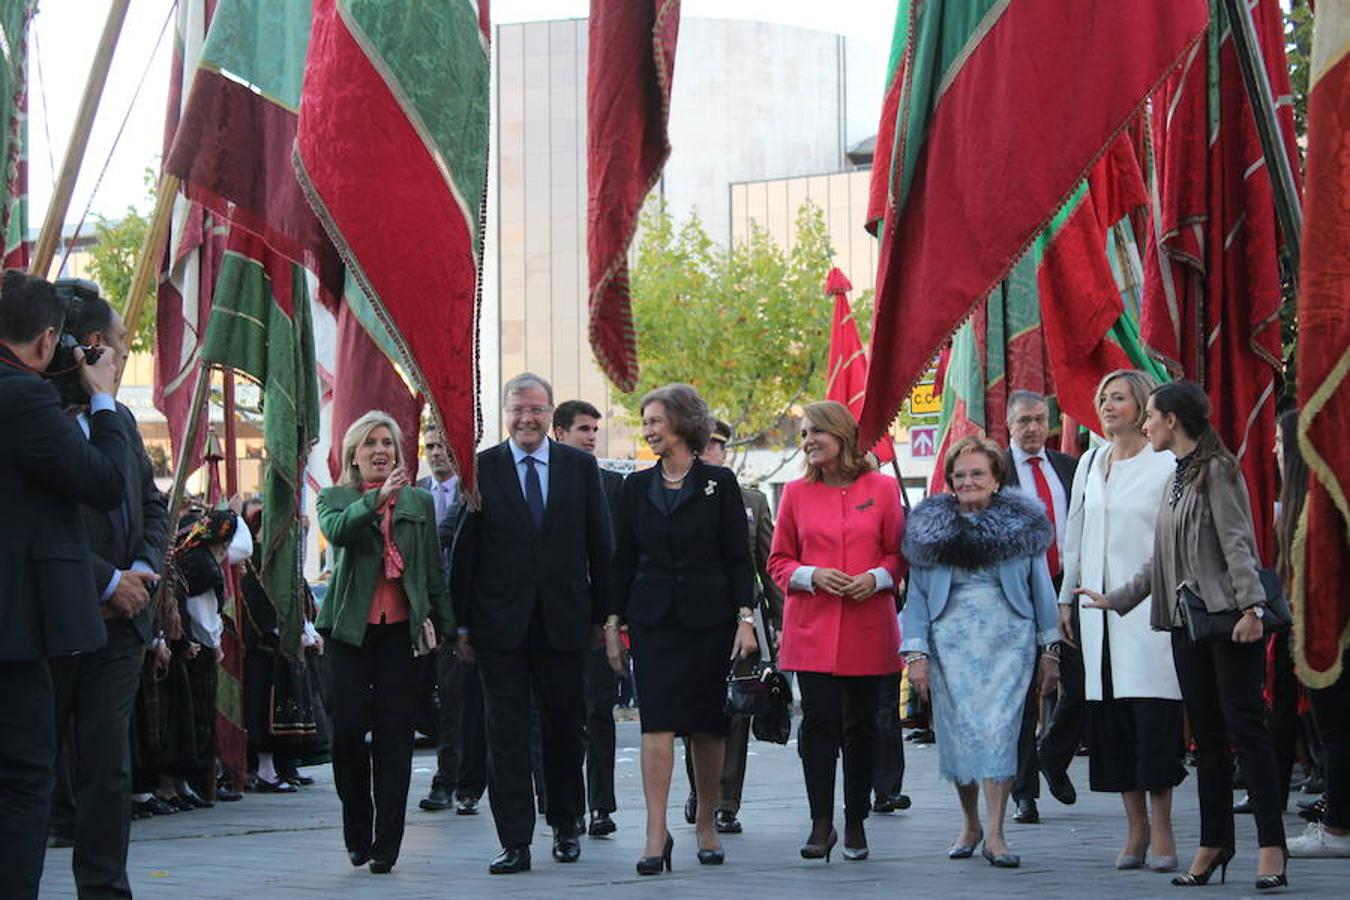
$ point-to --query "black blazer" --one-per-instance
(1063, 464)
(503, 569)
(612, 484)
(48, 599)
(693, 564)
(147, 512)
(448, 527)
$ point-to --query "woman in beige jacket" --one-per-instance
(1204, 539)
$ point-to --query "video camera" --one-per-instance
(64, 369)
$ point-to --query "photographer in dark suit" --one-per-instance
(529, 582)
(1027, 459)
(49, 603)
(96, 692)
(577, 424)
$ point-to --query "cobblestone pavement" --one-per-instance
(290, 846)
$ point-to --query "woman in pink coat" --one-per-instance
(836, 554)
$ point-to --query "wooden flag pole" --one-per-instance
(50, 236)
(1262, 100)
(152, 249)
(231, 436)
(180, 472)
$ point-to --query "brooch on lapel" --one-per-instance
(865, 504)
(710, 488)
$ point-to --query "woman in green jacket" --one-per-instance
(388, 597)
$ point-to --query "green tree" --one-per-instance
(749, 326)
(113, 260)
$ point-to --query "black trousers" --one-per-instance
(449, 703)
(27, 754)
(735, 751)
(471, 781)
(1065, 722)
(1282, 718)
(370, 690)
(1331, 708)
(1221, 687)
(888, 772)
(555, 677)
(95, 695)
(601, 693)
(839, 713)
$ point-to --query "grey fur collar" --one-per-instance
(1013, 525)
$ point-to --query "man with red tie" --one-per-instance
(1047, 475)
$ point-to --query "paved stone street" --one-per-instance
(270, 846)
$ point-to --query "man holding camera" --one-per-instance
(49, 604)
(96, 692)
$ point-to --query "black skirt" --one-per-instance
(1136, 744)
(681, 676)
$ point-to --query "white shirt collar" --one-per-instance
(1020, 456)
(518, 454)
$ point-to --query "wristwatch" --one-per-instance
(749, 620)
(1258, 610)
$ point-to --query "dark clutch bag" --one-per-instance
(765, 695)
(1205, 627)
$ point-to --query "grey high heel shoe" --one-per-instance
(1163, 863)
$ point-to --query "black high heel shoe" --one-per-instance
(712, 857)
(1270, 882)
(821, 851)
(1220, 862)
(652, 865)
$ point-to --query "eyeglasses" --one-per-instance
(522, 410)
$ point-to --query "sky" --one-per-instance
(65, 34)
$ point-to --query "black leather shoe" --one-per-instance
(466, 806)
(182, 804)
(1026, 813)
(292, 776)
(141, 810)
(157, 805)
(601, 824)
(892, 803)
(1061, 788)
(437, 799)
(566, 847)
(263, 786)
(1244, 805)
(923, 736)
(511, 860)
(225, 793)
(380, 866)
(691, 809)
(726, 822)
(358, 858)
(195, 799)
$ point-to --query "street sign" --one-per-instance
(923, 441)
(922, 401)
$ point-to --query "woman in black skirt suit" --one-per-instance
(682, 580)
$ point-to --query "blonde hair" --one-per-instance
(357, 434)
(834, 418)
(975, 444)
(1140, 384)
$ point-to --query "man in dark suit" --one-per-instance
(1027, 459)
(443, 667)
(49, 603)
(576, 423)
(96, 692)
(529, 582)
(760, 522)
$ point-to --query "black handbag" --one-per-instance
(764, 694)
(1205, 627)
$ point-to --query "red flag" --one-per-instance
(1211, 309)
(191, 260)
(367, 380)
(631, 64)
(1080, 302)
(391, 151)
(1322, 546)
(846, 376)
(1002, 114)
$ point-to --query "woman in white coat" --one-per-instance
(1134, 701)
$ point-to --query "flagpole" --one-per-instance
(152, 249)
(231, 437)
(50, 235)
(180, 472)
(1257, 82)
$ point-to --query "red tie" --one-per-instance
(1043, 491)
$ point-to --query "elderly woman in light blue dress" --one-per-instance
(980, 601)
